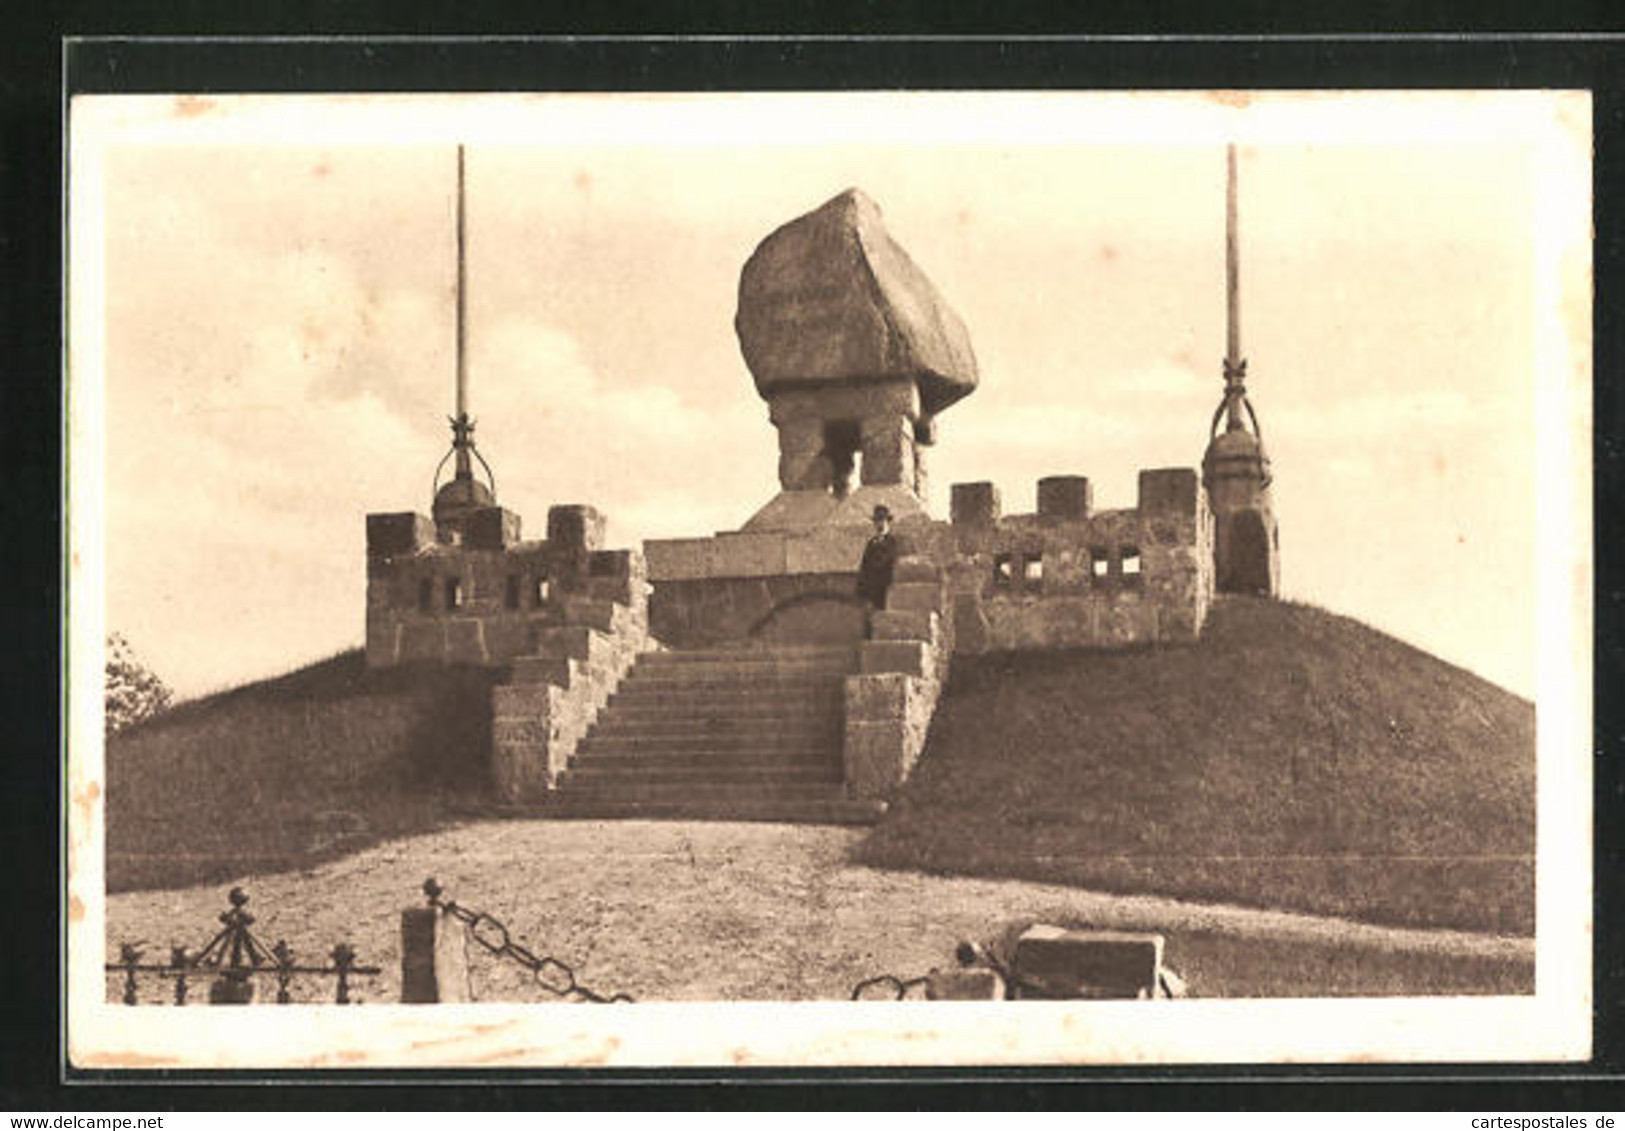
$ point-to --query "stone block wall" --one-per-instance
(901, 671)
(1068, 576)
(737, 586)
(554, 694)
(489, 599)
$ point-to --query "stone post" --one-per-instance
(434, 967)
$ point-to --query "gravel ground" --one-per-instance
(679, 911)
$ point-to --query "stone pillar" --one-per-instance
(803, 466)
(888, 450)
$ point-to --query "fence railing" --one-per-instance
(1043, 962)
(232, 960)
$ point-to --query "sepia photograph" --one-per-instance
(828, 579)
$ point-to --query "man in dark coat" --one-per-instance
(879, 560)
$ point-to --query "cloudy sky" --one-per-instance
(272, 335)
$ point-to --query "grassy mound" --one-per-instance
(1290, 758)
(290, 771)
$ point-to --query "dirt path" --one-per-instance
(709, 911)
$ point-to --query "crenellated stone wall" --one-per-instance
(1068, 576)
(490, 597)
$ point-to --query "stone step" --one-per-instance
(845, 652)
(736, 673)
(653, 758)
(732, 702)
(716, 793)
(697, 780)
(630, 723)
(810, 743)
(830, 811)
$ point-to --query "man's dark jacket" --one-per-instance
(875, 572)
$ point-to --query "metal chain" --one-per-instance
(551, 974)
(899, 987)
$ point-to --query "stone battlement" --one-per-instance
(492, 597)
(1063, 576)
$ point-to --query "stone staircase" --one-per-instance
(740, 732)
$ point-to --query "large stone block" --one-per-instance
(556, 670)
(1168, 490)
(824, 551)
(506, 637)
(678, 559)
(465, 641)
(888, 450)
(916, 596)
(972, 983)
(1055, 963)
(903, 624)
(491, 528)
(574, 641)
(830, 297)
(973, 504)
(520, 771)
(907, 657)
(913, 567)
(876, 757)
(574, 528)
(587, 611)
(876, 697)
(522, 701)
(1065, 498)
(402, 532)
(749, 555)
(423, 642)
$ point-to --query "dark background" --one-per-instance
(751, 47)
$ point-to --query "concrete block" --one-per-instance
(1171, 490)
(400, 532)
(908, 657)
(915, 596)
(1065, 498)
(1055, 963)
(491, 528)
(972, 983)
(903, 624)
(973, 504)
(575, 527)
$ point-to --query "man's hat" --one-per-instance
(882, 511)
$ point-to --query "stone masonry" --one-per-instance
(856, 354)
(565, 616)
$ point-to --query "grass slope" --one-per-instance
(289, 771)
(1290, 758)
